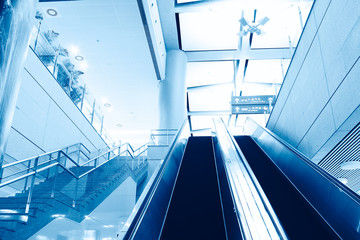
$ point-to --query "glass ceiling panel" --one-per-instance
(259, 89)
(204, 73)
(284, 22)
(217, 25)
(208, 31)
(266, 71)
(211, 99)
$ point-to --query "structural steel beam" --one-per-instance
(229, 55)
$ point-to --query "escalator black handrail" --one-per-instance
(333, 201)
(314, 166)
(131, 231)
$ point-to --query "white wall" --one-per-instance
(319, 100)
(45, 117)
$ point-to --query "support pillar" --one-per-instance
(16, 18)
(172, 97)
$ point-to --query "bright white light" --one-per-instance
(108, 226)
(41, 237)
(58, 215)
(343, 180)
(74, 50)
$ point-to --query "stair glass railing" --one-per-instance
(57, 175)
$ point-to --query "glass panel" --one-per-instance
(211, 99)
(284, 23)
(204, 73)
(208, 31)
(264, 71)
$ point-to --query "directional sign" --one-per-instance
(250, 100)
(249, 109)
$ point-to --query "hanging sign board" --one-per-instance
(250, 100)
(250, 109)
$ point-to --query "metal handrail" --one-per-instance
(37, 167)
(270, 220)
(45, 154)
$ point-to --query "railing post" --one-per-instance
(26, 180)
(102, 125)
(93, 113)
(55, 175)
(76, 186)
(82, 98)
(48, 172)
(28, 201)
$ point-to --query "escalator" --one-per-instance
(195, 210)
(299, 219)
(247, 187)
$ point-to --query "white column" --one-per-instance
(172, 99)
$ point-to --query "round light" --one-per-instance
(52, 12)
(79, 58)
(351, 165)
(107, 105)
(343, 180)
(119, 125)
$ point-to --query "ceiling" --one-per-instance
(119, 70)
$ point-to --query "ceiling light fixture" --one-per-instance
(107, 105)
(119, 125)
(351, 165)
(79, 58)
(52, 12)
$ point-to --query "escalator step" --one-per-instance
(195, 209)
(297, 216)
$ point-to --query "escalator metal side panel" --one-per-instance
(232, 224)
(149, 219)
(336, 204)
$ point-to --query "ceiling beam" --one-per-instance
(206, 4)
(229, 55)
(208, 113)
(207, 86)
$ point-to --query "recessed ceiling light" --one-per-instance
(79, 58)
(343, 180)
(119, 125)
(351, 165)
(52, 12)
(107, 105)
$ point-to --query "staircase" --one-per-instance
(50, 189)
